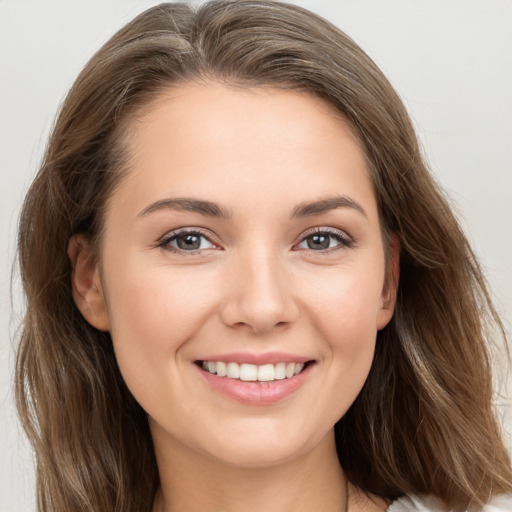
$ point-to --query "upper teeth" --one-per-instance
(252, 372)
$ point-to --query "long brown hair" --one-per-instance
(423, 422)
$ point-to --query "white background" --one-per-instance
(450, 60)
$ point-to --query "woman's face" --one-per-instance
(245, 240)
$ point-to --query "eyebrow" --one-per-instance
(312, 208)
(188, 205)
(210, 209)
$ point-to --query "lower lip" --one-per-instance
(254, 392)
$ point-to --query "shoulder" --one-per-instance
(501, 503)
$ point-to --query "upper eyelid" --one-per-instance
(181, 231)
(172, 235)
(324, 229)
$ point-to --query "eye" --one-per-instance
(325, 240)
(187, 241)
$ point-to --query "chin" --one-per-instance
(257, 457)
(262, 447)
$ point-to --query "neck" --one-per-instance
(192, 481)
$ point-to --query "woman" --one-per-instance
(244, 289)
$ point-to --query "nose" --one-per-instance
(258, 295)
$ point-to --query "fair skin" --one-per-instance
(276, 257)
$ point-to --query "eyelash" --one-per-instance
(344, 241)
(166, 241)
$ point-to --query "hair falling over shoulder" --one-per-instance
(424, 421)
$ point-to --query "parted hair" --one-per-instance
(424, 421)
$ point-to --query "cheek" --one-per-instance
(345, 314)
(153, 312)
(346, 306)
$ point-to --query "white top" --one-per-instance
(501, 503)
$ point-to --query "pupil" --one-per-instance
(188, 242)
(318, 241)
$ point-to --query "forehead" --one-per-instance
(252, 145)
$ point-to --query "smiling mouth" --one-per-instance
(251, 372)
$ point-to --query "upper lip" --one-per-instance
(257, 359)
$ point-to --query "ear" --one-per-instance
(86, 283)
(389, 292)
